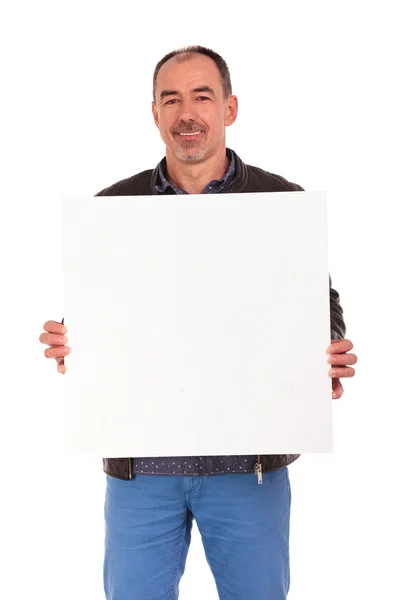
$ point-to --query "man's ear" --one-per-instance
(231, 110)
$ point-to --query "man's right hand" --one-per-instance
(55, 338)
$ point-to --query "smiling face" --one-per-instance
(189, 99)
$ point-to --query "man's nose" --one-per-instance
(188, 111)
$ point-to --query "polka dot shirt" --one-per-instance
(195, 465)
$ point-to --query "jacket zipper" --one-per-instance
(258, 469)
(130, 467)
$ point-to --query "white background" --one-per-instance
(318, 104)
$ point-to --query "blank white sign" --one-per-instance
(198, 324)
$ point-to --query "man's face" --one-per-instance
(183, 105)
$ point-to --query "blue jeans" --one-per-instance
(244, 528)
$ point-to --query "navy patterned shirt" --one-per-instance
(194, 465)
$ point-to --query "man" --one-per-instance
(151, 502)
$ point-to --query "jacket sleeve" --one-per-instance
(338, 326)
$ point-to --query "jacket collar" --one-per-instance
(237, 185)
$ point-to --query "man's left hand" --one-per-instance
(340, 359)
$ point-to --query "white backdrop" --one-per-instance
(318, 104)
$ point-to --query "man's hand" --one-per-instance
(56, 339)
(340, 360)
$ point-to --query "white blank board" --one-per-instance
(199, 324)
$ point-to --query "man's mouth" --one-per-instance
(190, 135)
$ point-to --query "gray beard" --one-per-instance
(189, 155)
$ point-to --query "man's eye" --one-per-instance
(175, 100)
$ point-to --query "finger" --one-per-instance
(337, 389)
(342, 372)
(60, 362)
(60, 365)
(53, 339)
(343, 359)
(54, 327)
(340, 346)
(336, 384)
(61, 369)
(57, 351)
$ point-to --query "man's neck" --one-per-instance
(193, 177)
